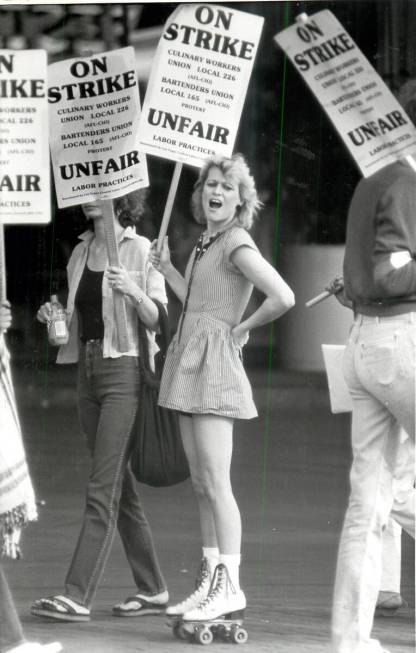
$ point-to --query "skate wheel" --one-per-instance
(176, 630)
(221, 632)
(204, 636)
(238, 635)
(180, 631)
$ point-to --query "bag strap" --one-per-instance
(164, 336)
(144, 357)
(164, 326)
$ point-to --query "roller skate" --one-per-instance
(202, 585)
(219, 615)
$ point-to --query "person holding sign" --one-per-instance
(204, 377)
(379, 368)
(17, 504)
(108, 386)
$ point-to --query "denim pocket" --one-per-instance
(383, 358)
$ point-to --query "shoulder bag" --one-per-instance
(157, 454)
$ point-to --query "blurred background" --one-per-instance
(303, 172)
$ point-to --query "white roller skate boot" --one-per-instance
(223, 600)
(202, 585)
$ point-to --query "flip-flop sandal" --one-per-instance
(60, 608)
(138, 606)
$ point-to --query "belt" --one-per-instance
(376, 319)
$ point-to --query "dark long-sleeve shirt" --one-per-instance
(382, 221)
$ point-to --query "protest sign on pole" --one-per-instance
(197, 85)
(24, 163)
(367, 116)
(94, 108)
(24, 148)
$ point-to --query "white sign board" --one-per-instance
(198, 83)
(94, 109)
(24, 148)
(339, 395)
(367, 116)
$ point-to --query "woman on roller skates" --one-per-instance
(204, 377)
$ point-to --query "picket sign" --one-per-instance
(197, 87)
(339, 394)
(368, 118)
(93, 141)
(366, 115)
(24, 175)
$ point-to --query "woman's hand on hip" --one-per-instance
(239, 335)
(119, 279)
(44, 313)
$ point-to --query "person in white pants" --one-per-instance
(389, 597)
(379, 369)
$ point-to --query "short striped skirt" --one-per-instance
(204, 373)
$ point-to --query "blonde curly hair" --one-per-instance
(236, 166)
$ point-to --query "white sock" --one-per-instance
(212, 554)
(232, 562)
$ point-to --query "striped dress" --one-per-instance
(203, 370)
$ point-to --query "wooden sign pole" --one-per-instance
(411, 161)
(113, 259)
(169, 204)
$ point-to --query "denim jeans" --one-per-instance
(11, 633)
(379, 368)
(107, 396)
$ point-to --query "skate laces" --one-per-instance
(203, 578)
(203, 574)
(220, 580)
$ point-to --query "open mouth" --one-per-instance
(215, 204)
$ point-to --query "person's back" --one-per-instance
(381, 239)
(379, 368)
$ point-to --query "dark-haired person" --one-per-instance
(17, 503)
(204, 377)
(108, 386)
(379, 368)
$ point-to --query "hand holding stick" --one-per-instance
(335, 287)
(319, 298)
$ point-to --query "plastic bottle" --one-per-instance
(57, 329)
